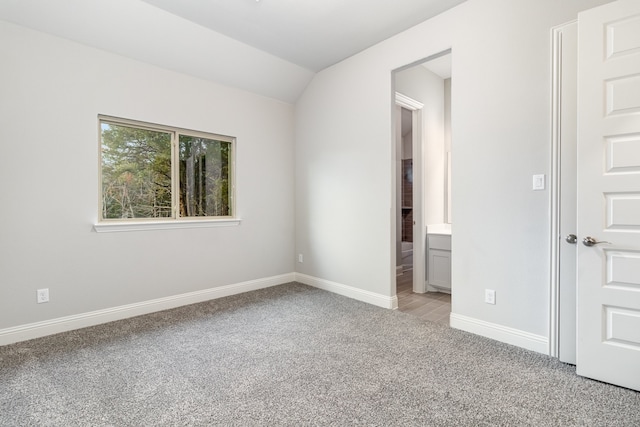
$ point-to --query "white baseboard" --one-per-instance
(501, 333)
(68, 323)
(349, 291)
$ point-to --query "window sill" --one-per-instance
(114, 227)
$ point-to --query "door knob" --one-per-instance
(590, 241)
(571, 238)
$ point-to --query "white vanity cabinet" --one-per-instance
(439, 262)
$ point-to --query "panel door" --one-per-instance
(608, 318)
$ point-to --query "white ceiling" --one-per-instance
(311, 33)
(441, 66)
(270, 47)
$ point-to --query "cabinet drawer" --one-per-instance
(437, 241)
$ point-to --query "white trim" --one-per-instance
(77, 321)
(162, 128)
(556, 122)
(418, 195)
(555, 185)
(379, 300)
(162, 224)
(512, 336)
(112, 227)
(408, 103)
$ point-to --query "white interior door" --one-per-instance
(608, 347)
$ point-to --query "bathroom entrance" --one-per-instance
(423, 190)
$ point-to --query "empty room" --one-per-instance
(279, 212)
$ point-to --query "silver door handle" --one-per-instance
(590, 241)
(571, 238)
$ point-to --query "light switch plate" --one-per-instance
(538, 182)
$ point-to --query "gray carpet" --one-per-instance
(293, 355)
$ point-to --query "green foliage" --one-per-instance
(204, 177)
(136, 174)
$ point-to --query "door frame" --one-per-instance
(419, 242)
(556, 187)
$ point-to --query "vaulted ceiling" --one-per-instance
(270, 47)
(312, 34)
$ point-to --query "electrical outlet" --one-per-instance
(42, 295)
(489, 296)
(300, 258)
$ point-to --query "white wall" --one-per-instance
(426, 87)
(343, 177)
(407, 134)
(447, 150)
(447, 115)
(51, 93)
(501, 136)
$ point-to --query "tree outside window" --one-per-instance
(156, 172)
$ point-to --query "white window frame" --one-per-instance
(175, 222)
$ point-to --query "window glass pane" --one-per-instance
(136, 172)
(204, 177)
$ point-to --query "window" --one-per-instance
(158, 173)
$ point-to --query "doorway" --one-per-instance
(423, 191)
(409, 200)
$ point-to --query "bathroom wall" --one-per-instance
(447, 115)
(406, 209)
(407, 200)
(426, 87)
(447, 149)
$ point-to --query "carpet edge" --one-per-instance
(349, 291)
(68, 323)
(516, 337)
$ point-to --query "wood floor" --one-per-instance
(431, 306)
